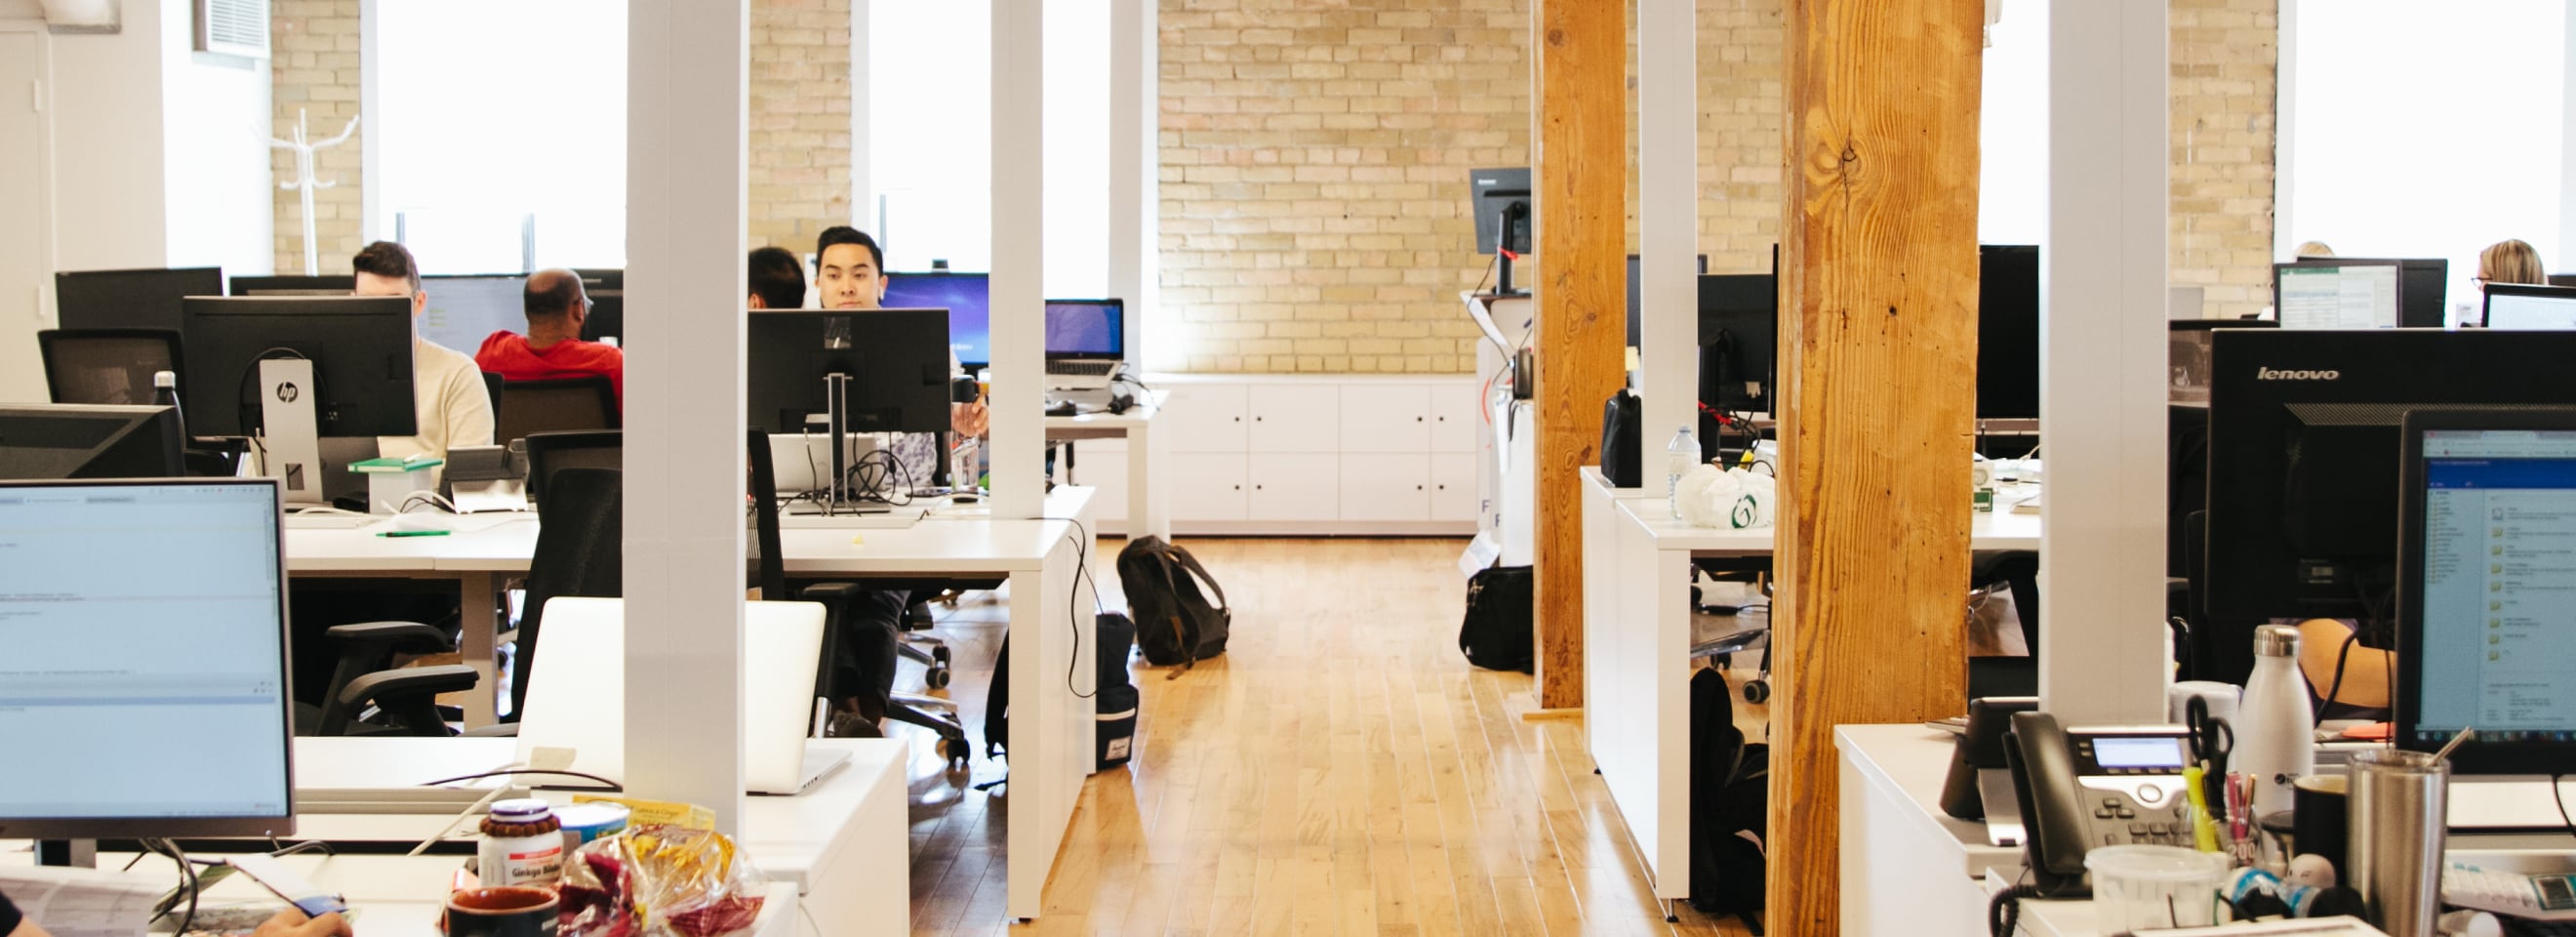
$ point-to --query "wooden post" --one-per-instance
(1581, 176)
(1878, 363)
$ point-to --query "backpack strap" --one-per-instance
(1189, 648)
(1191, 563)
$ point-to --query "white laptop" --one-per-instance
(577, 692)
(1086, 343)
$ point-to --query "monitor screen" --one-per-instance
(146, 694)
(1085, 328)
(2350, 295)
(966, 296)
(129, 299)
(2007, 332)
(2512, 306)
(2496, 581)
(463, 311)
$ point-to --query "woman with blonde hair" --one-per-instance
(2510, 261)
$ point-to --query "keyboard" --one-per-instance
(1081, 368)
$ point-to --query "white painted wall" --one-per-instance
(216, 119)
(108, 157)
(24, 273)
(1077, 146)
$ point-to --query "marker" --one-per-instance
(415, 533)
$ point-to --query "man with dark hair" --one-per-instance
(447, 389)
(849, 269)
(777, 279)
(553, 348)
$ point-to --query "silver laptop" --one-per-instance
(1086, 343)
(577, 692)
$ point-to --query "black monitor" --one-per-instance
(2423, 285)
(595, 279)
(1739, 339)
(607, 322)
(1506, 211)
(897, 365)
(2007, 332)
(360, 345)
(68, 440)
(340, 285)
(2187, 356)
(154, 604)
(130, 299)
(2562, 279)
(2486, 561)
(966, 296)
(2522, 307)
(1636, 272)
(2337, 293)
(2304, 454)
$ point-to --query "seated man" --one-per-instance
(447, 389)
(850, 273)
(553, 348)
(777, 279)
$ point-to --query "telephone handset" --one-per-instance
(2094, 786)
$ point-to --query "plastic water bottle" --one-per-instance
(165, 392)
(2275, 731)
(1679, 459)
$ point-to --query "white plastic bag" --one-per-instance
(1730, 499)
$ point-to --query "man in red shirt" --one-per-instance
(553, 348)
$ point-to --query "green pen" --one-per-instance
(415, 533)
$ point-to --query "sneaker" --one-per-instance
(848, 725)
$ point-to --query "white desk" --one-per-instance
(1148, 507)
(1908, 868)
(1637, 636)
(1052, 730)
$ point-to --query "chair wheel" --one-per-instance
(1757, 691)
(936, 678)
(956, 751)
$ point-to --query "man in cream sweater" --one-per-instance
(447, 388)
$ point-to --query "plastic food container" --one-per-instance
(2141, 887)
(585, 822)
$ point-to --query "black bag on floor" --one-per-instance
(997, 703)
(1175, 624)
(1116, 706)
(1730, 806)
(1496, 635)
(1623, 460)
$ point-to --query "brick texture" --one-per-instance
(314, 60)
(2226, 55)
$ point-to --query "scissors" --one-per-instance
(2211, 741)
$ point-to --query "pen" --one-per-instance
(414, 533)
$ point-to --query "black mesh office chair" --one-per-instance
(525, 408)
(405, 699)
(549, 453)
(110, 366)
(579, 553)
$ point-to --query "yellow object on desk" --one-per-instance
(2204, 829)
(656, 812)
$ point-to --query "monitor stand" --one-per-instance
(67, 853)
(836, 403)
(290, 435)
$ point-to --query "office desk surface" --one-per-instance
(1148, 406)
(1909, 870)
(1987, 530)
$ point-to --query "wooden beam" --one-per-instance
(1878, 358)
(1582, 185)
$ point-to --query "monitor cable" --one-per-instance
(2558, 795)
(1073, 603)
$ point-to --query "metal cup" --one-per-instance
(2399, 812)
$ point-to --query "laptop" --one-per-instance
(1086, 343)
(577, 692)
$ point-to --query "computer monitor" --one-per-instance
(966, 296)
(360, 345)
(1086, 328)
(2487, 561)
(1739, 339)
(2527, 308)
(607, 322)
(595, 279)
(2341, 294)
(462, 311)
(1636, 270)
(2187, 343)
(2007, 332)
(2304, 452)
(148, 697)
(1502, 199)
(898, 369)
(2423, 285)
(129, 299)
(339, 285)
(70, 440)
(2562, 279)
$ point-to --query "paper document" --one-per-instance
(85, 902)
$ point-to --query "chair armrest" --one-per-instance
(404, 636)
(504, 730)
(832, 592)
(409, 681)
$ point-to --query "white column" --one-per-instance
(1019, 260)
(371, 197)
(2102, 359)
(1667, 219)
(1135, 114)
(2565, 260)
(2285, 120)
(863, 195)
(687, 111)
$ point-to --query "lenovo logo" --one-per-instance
(2271, 374)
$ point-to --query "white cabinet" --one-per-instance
(1100, 464)
(1454, 422)
(1453, 486)
(1386, 487)
(1205, 418)
(1206, 486)
(1294, 487)
(1386, 418)
(1295, 418)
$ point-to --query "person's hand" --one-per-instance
(969, 419)
(293, 923)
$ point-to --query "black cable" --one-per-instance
(612, 785)
(2003, 914)
(2559, 797)
(2337, 688)
(1073, 610)
(188, 882)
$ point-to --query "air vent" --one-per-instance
(233, 27)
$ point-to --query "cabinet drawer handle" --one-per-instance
(1238, 487)
(1417, 419)
(1238, 419)
(1256, 419)
(1417, 488)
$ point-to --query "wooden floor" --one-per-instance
(1340, 770)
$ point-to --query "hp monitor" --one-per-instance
(65, 440)
(361, 347)
(2343, 294)
(130, 299)
(2526, 308)
(966, 296)
(147, 690)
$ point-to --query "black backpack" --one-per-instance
(1622, 460)
(1496, 635)
(1175, 624)
(1730, 806)
(1116, 705)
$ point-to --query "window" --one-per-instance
(499, 130)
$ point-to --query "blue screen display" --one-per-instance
(1084, 327)
(966, 296)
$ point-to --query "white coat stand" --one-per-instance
(304, 183)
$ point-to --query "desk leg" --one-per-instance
(1148, 509)
(479, 623)
(1052, 730)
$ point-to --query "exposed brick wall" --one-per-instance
(314, 59)
(2226, 55)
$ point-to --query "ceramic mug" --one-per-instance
(501, 912)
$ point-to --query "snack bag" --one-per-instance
(660, 881)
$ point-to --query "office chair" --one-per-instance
(106, 366)
(549, 453)
(406, 700)
(492, 384)
(579, 553)
(523, 408)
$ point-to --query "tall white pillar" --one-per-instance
(2102, 362)
(1019, 260)
(687, 123)
(1135, 119)
(1668, 222)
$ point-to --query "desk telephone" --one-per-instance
(2089, 786)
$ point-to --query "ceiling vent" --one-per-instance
(233, 27)
(81, 16)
